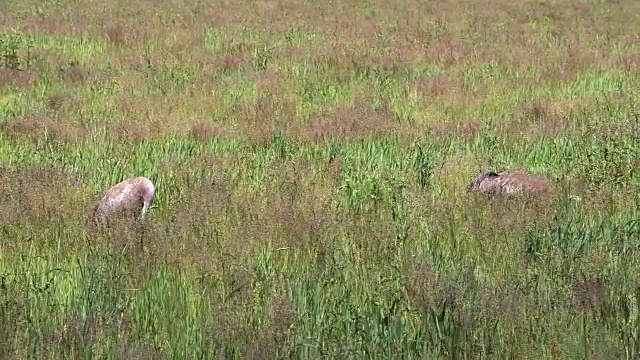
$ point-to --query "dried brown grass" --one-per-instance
(352, 121)
(36, 193)
(464, 130)
(16, 77)
(589, 296)
(73, 73)
(47, 124)
(346, 43)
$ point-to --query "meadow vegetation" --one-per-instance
(311, 162)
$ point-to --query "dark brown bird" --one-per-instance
(508, 183)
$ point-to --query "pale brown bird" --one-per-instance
(131, 194)
(508, 183)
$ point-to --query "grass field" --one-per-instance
(311, 164)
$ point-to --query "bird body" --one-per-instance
(508, 183)
(132, 194)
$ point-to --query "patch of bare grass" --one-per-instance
(589, 296)
(17, 77)
(204, 130)
(353, 121)
(464, 130)
(446, 51)
(116, 34)
(73, 73)
(543, 119)
(273, 335)
(232, 63)
(38, 125)
(36, 193)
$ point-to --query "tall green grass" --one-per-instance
(311, 182)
